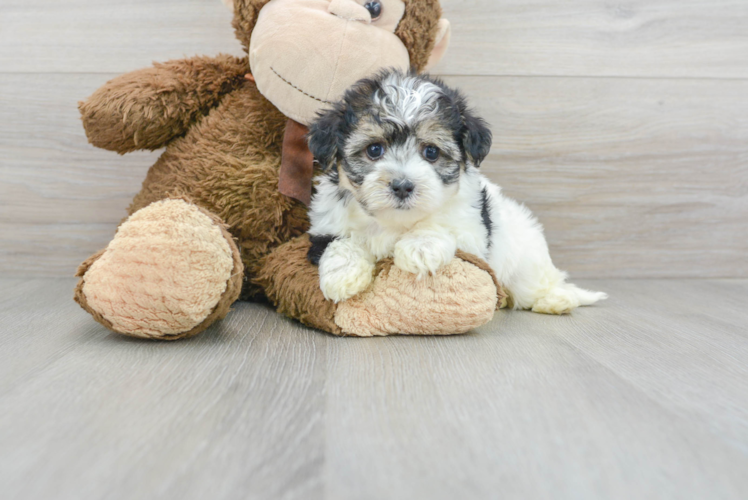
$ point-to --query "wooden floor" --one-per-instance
(622, 125)
(645, 396)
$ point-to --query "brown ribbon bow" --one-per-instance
(297, 164)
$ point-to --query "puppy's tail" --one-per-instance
(586, 297)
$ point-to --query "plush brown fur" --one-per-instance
(223, 151)
(291, 283)
(245, 18)
(147, 108)
(418, 30)
(228, 163)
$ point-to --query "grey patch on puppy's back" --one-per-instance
(344, 196)
(485, 213)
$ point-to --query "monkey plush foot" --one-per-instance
(461, 296)
(171, 270)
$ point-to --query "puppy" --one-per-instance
(401, 155)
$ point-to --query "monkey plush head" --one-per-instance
(304, 54)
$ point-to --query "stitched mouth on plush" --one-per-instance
(298, 88)
(323, 53)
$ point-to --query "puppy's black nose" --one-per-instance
(402, 188)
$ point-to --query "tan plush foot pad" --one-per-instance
(459, 298)
(170, 271)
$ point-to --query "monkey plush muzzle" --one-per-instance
(304, 54)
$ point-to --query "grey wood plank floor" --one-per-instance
(645, 396)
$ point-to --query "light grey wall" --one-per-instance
(623, 125)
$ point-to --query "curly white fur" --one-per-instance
(444, 212)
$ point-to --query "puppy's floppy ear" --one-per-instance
(477, 138)
(324, 135)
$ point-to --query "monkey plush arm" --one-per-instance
(147, 108)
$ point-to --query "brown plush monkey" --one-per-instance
(210, 224)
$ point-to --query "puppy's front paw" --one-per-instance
(424, 255)
(344, 272)
(344, 282)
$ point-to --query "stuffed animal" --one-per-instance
(222, 214)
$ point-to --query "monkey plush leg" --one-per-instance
(460, 297)
(171, 270)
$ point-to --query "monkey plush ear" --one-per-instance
(442, 42)
(476, 139)
(419, 30)
(324, 135)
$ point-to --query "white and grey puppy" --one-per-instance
(401, 155)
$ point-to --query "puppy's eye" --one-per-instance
(431, 153)
(375, 151)
(374, 8)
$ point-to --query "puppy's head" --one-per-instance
(399, 143)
